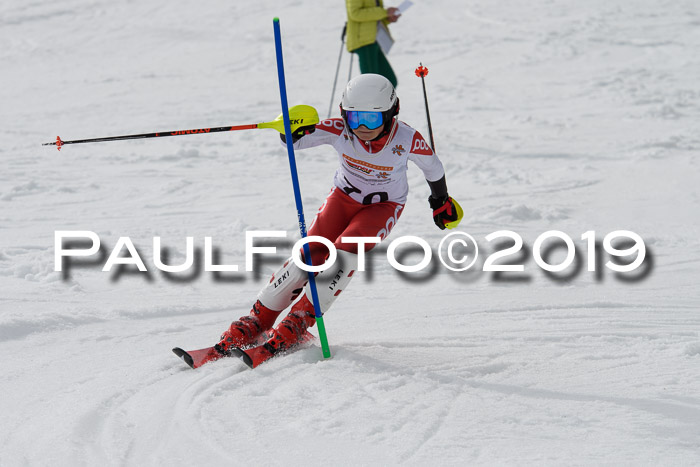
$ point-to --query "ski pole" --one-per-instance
(337, 69)
(422, 72)
(297, 192)
(302, 115)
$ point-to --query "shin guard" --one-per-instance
(331, 282)
(284, 287)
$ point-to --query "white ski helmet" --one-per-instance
(370, 93)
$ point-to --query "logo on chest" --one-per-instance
(366, 168)
(398, 150)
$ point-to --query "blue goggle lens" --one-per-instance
(372, 120)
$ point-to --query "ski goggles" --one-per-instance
(372, 120)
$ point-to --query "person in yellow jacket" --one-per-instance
(364, 17)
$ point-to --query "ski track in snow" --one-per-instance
(547, 115)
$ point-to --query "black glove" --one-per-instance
(299, 132)
(445, 210)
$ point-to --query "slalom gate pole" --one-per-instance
(297, 192)
(337, 69)
(422, 72)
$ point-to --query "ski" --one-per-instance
(197, 358)
(251, 356)
(255, 356)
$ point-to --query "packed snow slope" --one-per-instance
(548, 115)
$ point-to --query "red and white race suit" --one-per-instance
(370, 190)
(372, 172)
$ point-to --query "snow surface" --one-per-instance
(563, 115)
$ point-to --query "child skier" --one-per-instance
(370, 189)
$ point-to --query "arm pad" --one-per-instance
(438, 188)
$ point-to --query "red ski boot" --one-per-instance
(289, 333)
(248, 329)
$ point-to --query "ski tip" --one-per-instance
(245, 358)
(275, 19)
(184, 356)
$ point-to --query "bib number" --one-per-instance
(368, 199)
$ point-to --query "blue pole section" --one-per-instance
(297, 192)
